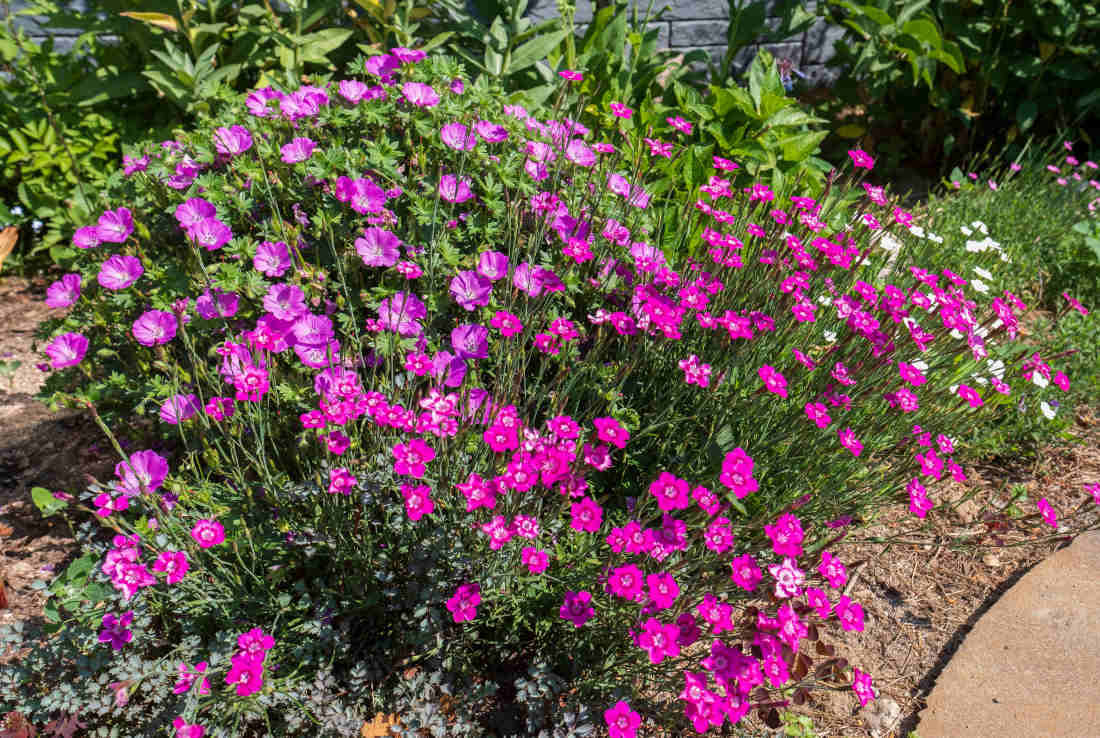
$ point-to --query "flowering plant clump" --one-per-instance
(452, 383)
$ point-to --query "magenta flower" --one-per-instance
(179, 408)
(66, 350)
(622, 722)
(577, 608)
(737, 473)
(970, 395)
(298, 150)
(454, 190)
(470, 341)
(662, 589)
(492, 265)
(86, 237)
(659, 640)
(508, 324)
(833, 570)
(491, 132)
(578, 152)
(193, 212)
(773, 380)
(626, 582)
(189, 675)
(232, 141)
(115, 226)
(470, 290)
(217, 305)
(680, 125)
(619, 110)
(410, 458)
(570, 75)
(378, 247)
(788, 578)
(210, 233)
(64, 292)
(458, 137)
(1047, 512)
(919, 504)
(420, 94)
(154, 327)
(587, 516)
(861, 685)
(535, 560)
(246, 673)
(208, 533)
(746, 573)
(174, 565)
(611, 431)
(850, 614)
(115, 630)
(382, 65)
(408, 56)
(144, 472)
(255, 644)
(353, 90)
(849, 441)
(418, 501)
(463, 603)
(671, 493)
(786, 535)
(861, 159)
(185, 729)
(287, 302)
(119, 272)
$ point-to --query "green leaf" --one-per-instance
(797, 148)
(46, 503)
(1026, 114)
(925, 31)
(535, 50)
(318, 45)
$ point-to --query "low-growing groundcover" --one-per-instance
(453, 404)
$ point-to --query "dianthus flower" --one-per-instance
(861, 685)
(833, 570)
(671, 493)
(773, 380)
(662, 590)
(115, 629)
(659, 640)
(410, 458)
(626, 582)
(1047, 512)
(535, 560)
(587, 516)
(611, 431)
(736, 473)
(746, 573)
(463, 603)
(189, 675)
(173, 564)
(208, 533)
(861, 159)
(788, 578)
(577, 608)
(622, 722)
(850, 614)
(849, 441)
(246, 673)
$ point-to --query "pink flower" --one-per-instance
(610, 430)
(745, 572)
(210, 233)
(737, 473)
(378, 247)
(116, 631)
(1047, 512)
(1094, 490)
(246, 673)
(119, 272)
(659, 640)
(418, 502)
(861, 159)
(577, 608)
(154, 327)
(816, 412)
(208, 533)
(724, 165)
(463, 603)
(457, 137)
(491, 132)
(86, 237)
(115, 226)
(232, 141)
(185, 729)
(535, 560)
(626, 582)
(188, 676)
(773, 380)
(420, 94)
(861, 685)
(587, 516)
(680, 125)
(411, 458)
(671, 493)
(179, 408)
(172, 563)
(622, 722)
(571, 75)
(788, 578)
(849, 441)
(833, 570)
(619, 110)
(970, 395)
(454, 190)
(507, 323)
(272, 259)
(255, 644)
(66, 350)
(819, 601)
(849, 613)
(298, 150)
(64, 292)
(662, 590)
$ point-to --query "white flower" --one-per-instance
(1039, 380)
(956, 334)
(975, 247)
(830, 336)
(1047, 410)
(17, 210)
(997, 324)
(890, 244)
(979, 285)
(934, 238)
(917, 231)
(982, 331)
(965, 231)
(825, 300)
(984, 274)
(36, 224)
(996, 368)
(1005, 259)
(953, 388)
(981, 227)
(918, 364)
(979, 379)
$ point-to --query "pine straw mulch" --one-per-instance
(920, 597)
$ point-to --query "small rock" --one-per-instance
(881, 716)
(991, 560)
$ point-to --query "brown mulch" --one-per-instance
(920, 596)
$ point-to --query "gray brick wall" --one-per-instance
(702, 24)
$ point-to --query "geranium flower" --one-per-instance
(154, 327)
(232, 141)
(115, 226)
(491, 132)
(66, 350)
(119, 271)
(454, 190)
(419, 94)
(470, 290)
(86, 237)
(179, 408)
(470, 341)
(210, 233)
(378, 247)
(298, 150)
(64, 292)
(457, 137)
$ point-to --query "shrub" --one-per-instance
(459, 394)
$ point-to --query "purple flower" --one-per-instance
(223, 304)
(68, 349)
(257, 101)
(453, 189)
(179, 408)
(580, 154)
(401, 312)
(618, 184)
(64, 292)
(408, 56)
(86, 237)
(419, 94)
(353, 90)
(449, 369)
(286, 302)
(382, 65)
(378, 247)
(492, 265)
(272, 259)
(526, 279)
(232, 141)
(194, 211)
(299, 149)
(312, 330)
(470, 341)
(115, 630)
(470, 290)
(131, 166)
(319, 356)
(457, 137)
(457, 86)
(210, 233)
(491, 132)
(363, 195)
(115, 226)
(119, 272)
(154, 327)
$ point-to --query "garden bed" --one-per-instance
(920, 599)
